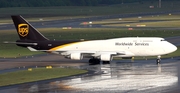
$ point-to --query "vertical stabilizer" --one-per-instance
(25, 30)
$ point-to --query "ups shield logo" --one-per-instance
(23, 29)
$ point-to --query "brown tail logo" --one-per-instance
(23, 29)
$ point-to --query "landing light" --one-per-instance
(29, 69)
(48, 67)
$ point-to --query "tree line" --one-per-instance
(44, 3)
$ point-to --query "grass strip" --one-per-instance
(165, 20)
(37, 74)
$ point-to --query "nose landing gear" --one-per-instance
(158, 60)
(94, 61)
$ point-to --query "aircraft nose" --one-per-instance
(173, 48)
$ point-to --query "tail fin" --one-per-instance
(26, 31)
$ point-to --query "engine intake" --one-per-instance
(76, 56)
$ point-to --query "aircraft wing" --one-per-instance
(92, 53)
(78, 55)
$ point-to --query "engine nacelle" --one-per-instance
(106, 57)
(76, 56)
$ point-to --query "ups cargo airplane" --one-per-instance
(96, 50)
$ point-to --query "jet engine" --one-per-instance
(106, 57)
(76, 56)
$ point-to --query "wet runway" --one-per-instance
(124, 76)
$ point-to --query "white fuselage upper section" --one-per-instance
(125, 47)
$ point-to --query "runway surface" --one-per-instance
(124, 76)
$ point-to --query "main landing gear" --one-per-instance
(106, 62)
(94, 61)
(158, 60)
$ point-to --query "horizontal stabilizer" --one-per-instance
(21, 43)
(32, 49)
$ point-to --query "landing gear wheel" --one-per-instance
(106, 62)
(158, 60)
(97, 61)
(94, 61)
(90, 61)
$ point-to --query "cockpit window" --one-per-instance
(163, 40)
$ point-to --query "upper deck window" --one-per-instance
(147, 41)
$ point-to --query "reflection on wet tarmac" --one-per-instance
(128, 77)
(120, 77)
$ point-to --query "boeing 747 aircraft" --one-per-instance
(96, 50)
